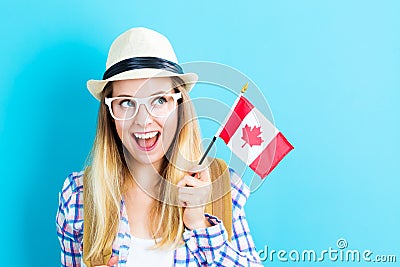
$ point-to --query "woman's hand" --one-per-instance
(113, 261)
(193, 194)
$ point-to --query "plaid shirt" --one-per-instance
(203, 247)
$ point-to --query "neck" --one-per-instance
(145, 176)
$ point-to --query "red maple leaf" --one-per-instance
(251, 136)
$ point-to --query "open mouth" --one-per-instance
(146, 141)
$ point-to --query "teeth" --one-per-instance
(146, 135)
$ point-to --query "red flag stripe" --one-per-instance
(271, 155)
(242, 108)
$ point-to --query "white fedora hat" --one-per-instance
(140, 53)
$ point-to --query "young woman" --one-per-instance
(141, 199)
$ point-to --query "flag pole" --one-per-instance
(207, 150)
(244, 88)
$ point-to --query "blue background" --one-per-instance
(329, 69)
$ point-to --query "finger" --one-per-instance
(183, 201)
(187, 181)
(202, 173)
(197, 169)
(204, 176)
(193, 199)
(189, 202)
(182, 182)
(191, 184)
(194, 182)
(204, 189)
(113, 261)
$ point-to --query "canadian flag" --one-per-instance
(253, 138)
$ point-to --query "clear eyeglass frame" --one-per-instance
(146, 101)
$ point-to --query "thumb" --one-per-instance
(113, 261)
(201, 172)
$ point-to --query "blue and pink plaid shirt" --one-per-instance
(203, 247)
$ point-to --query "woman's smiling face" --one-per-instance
(146, 137)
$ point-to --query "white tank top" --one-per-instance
(141, 255)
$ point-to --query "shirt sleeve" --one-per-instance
(69, 220)
(211, 246)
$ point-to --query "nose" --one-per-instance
(143, 116)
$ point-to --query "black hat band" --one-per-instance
(142, 63)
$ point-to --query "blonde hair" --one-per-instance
(107, 177)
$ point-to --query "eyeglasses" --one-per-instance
(125, 108)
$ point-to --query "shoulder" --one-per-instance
(240, 191)
(69, 217)
(73, 186)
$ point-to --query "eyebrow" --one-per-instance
(156, 93)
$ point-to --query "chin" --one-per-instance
(134, 156)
